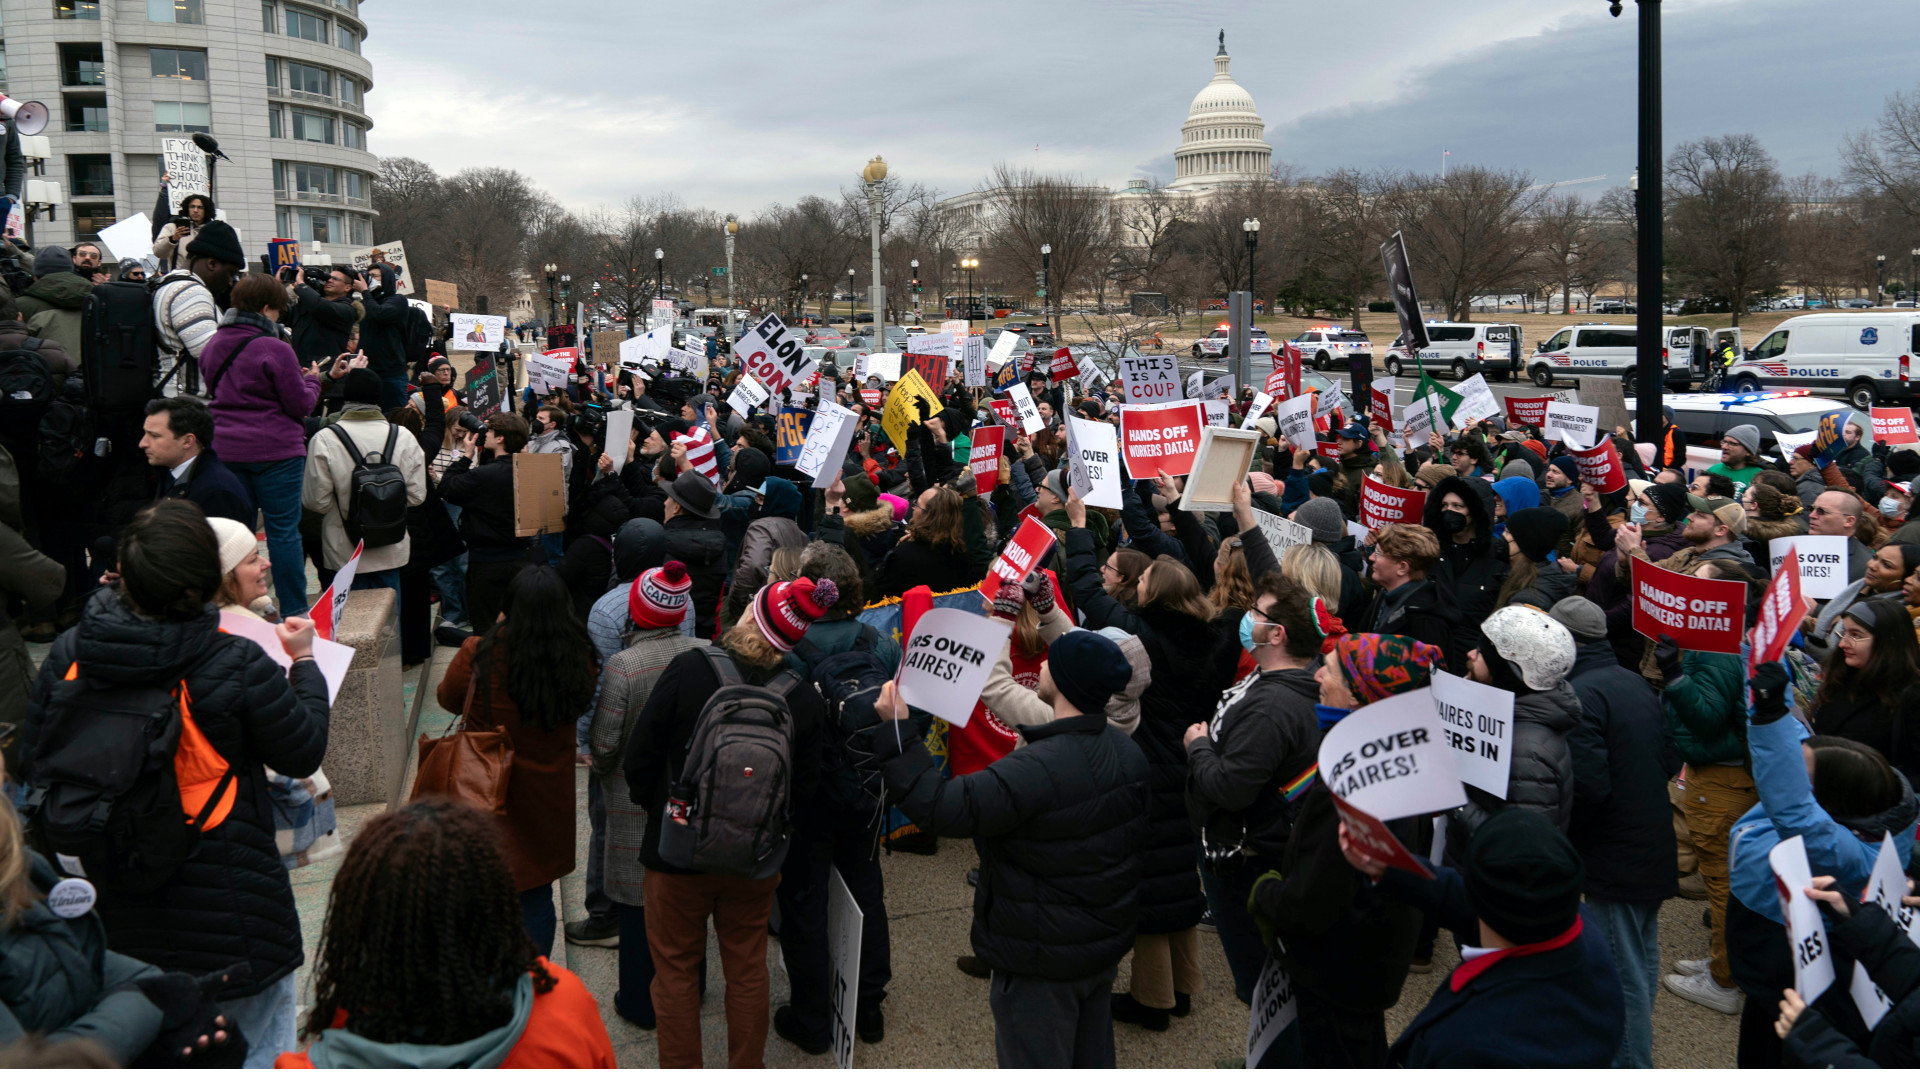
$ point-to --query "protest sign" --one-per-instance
(1161, 438)
(899, 410)
(1476, 402)
(1281, 533)
(1150, 380)
(872, 396)
(281, 252)
(790, 433)
(1887, 884)
(1601, 468)
(1823, 563)
(1330, 451)
(975, 362)
(1702, 614)
(1406, 303)
(1394, 763)
(444, 294)
(929, 344)
(604, 346)
(691, 364)
(1219, 468)
(1096, 461)
(1419, 420)
(772, 354)
(662, 314)
(1005, 411)
(1274, 1007)
(1477, 722)
(1327, 402)
(619, 437)
(327, 610)
(547, 372)
(1780, 611)
(1023, 404)
(1215, 412)
(132, 238)
(539, 494)
(983, 458)
(331, 657)
(1575, 425)
(1791, 441)
(956, 328)
(1261, 399)
(394, 255)
(828, 438)
(1276, 384)
(1003, 347)
(1294, 419)
(1806, 934)
(484, 391)
(845, 924)
(1030, 543)
(931, 366)
(948, 658)
(1381, 407)
(186, 167)
(1383, 504)
(884, 366)
(1064, 366)
(1201, 387)
(1004, 378)
(1894, 426)
(1529, 410)
(478, 332)
(1289, 369)
(749, 395)
(652, 345)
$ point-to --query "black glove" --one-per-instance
(1667, 655)
(188, 1015)
(1769, 686)
(925, 410)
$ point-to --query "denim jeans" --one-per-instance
(274, 487)
(538, 916)
(450, 578)
(266, 1019)
(1239, 936)
(1633, 935)
(378, 579)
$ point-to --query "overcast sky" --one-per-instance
(739, 105)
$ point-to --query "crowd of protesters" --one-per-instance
(1140, 768)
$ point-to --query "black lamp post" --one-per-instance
(850, 301)
(1251, 229)
(1649, 329)
(1880, 278)
(552, 309)
(659, 273)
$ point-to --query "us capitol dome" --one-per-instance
(1223, 140)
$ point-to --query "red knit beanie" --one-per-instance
(784, 609)
(658, 598)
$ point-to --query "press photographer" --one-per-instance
(324, 309)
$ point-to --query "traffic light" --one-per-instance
(916, 285)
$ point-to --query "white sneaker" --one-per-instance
(1702, 990)
(1692, 967)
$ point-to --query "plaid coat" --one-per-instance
(626, 682)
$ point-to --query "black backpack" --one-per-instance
(120, 347)
(66, 432)
(376, 512)
(27, 387)
(850, 683)
(731, 809)
(102, 795)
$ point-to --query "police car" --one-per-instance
(1463, 348)
(1322, 347)
(1216, 344)
(1705, 418)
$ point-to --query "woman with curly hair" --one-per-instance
(425, 964)
(934, 550)
(538, 679)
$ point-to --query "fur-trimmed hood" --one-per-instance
(869, 523)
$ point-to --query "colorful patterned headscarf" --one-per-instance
(1378, 666)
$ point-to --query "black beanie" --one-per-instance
(1523, 876)
(361, 386)
(1537, 529)
(1087, 668)
(217, 240)
(1671, 501)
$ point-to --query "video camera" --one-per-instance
(470, 422)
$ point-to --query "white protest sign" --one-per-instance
(479, 333)
(1003, 348)
(1261, 399)
(948, 658)
(186, 167)
(1394, 763)
(691, 364)
(1823, 563)
(1331, 401)
(1789, 442)
(845, 923)
(1477, 723)
(1281, 533)
(1476, 402)
(1294, 418)
(327, 610)
(956, 327)
(1216, 412)
(546, 372)
(661, 315)
(1806, 934)
(747, 395)
(129, 238)
(1023, 403)
(1274, 1007)
(1575, 425)
(884, 366)
(827, 441)
(1096, 461)
(1150, 380)
(394, 255)
(332, 657)
(774, 355)
(931, 344)
(619, 437)
(1887, 884)
(974, 364)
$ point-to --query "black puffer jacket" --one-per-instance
(1622, 758)
(699, 543)
(231, 902)
(1059, 824)
(1470, 573)
(1263, 736)
(1542, 775)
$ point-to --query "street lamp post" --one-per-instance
(850, 300)
(659, 274)
(1648, 328)
(875, 174)
(566, 286)
(969, 265)
(1913, 259)
(802, 313)
(733, 229)
(551, 309)
(1046, 283)
(1251, 229)
(914, 265)
(1880, 278)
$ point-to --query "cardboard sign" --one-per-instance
(1395, 762)
(790, 433)
(1702, 614)
(1095, 459)
(1780, 612)
(948, 658)
(478, 332)
(1529, 410)
(899, 410)
(603, 347)
(444, 294)
(1274, 1007)
(1023, 404)
(749, 395)
(1261, 399)
(1383, 504)
(1894, 426)
(393, 254)
(1806, 934)
(1064, 366)
(1030, 544)
(773, 354)
(1150, 380)
(931, 366)
(539, 494)
(828, 439)
(1575, 425)
(1601, 467)
(1005, 411)
(845, 924)
(1477, 723)
(1219, 468)
(1823, 563)
(1161, 438)
(1476, 402)
(1294, 420)
(983, 458)
(327, 610)
(186, 168)
(1281, 533)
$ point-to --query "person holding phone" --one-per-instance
(171, 230)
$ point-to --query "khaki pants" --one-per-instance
(1715, 797)
(678, 906)
(1686, 860)
(1163, 963)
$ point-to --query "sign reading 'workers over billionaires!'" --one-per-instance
(1393, 764)
(948, 658)
(1702, 614)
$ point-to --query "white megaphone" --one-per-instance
(29, 117)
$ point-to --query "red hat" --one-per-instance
(784, 609)
(658, 598)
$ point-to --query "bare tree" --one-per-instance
(1031, 210)
(1886, 161)
(1563, 231)
(1826, 251)
(1148, 231)
(1727, 221)
(1468, 234)
(1343, 221)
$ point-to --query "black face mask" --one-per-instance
(1453, 521)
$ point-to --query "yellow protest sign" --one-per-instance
(899, 410)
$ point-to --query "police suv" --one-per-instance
(1322, 347)
(1217, 344)
(1868, 355)
(1465, 348)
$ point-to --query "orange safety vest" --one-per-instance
(197, 767)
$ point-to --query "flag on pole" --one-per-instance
(1440, 401)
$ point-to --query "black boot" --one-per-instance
(1128, 1011)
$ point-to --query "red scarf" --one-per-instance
(1465, 973)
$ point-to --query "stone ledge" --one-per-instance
(368, 730)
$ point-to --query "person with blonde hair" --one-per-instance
(1316, 569)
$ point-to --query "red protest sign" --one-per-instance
(1276, 387)
(1372, 837)
(1157, 438)
(1030, 543)
(984, 458)
(873, 398)
(1008, 413)
(1601, 467)
(1327, 450)
(1702, 614)
(1528, 410)
(1382, 504)
(931, 366)
(1382, 409)
(1894, 426)
(1780, 613)
(1063, 366)
(1292, 362)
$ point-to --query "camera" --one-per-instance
(316, 277)
(470, 422)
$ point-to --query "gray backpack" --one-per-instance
(731, 810)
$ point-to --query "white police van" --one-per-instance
(1465, 348)
(1612, 349)
(1867, 355)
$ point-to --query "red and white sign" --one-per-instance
(1702, 614)
(1328, 450)
(1382, 408)
(1601, 467)
(1064, 367)
(1383, 504)
(1780, 613)
(1894, 426)
(1290, 364)
(873, 397)
(1372, 838)
(327, 610)
(1161, 438)
(1277, 382)
(1528, 410)
(1005, 410)
(984, 458)
(1030, 543)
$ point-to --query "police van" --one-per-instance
(1612, 349)
(1466, 348)
(1866, 355)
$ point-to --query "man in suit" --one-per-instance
(178, 438)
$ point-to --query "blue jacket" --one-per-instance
(1519, 494)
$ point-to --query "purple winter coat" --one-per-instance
(260, 394)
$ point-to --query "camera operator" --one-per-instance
(324, 310)
(383, 333)
(481, 485)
